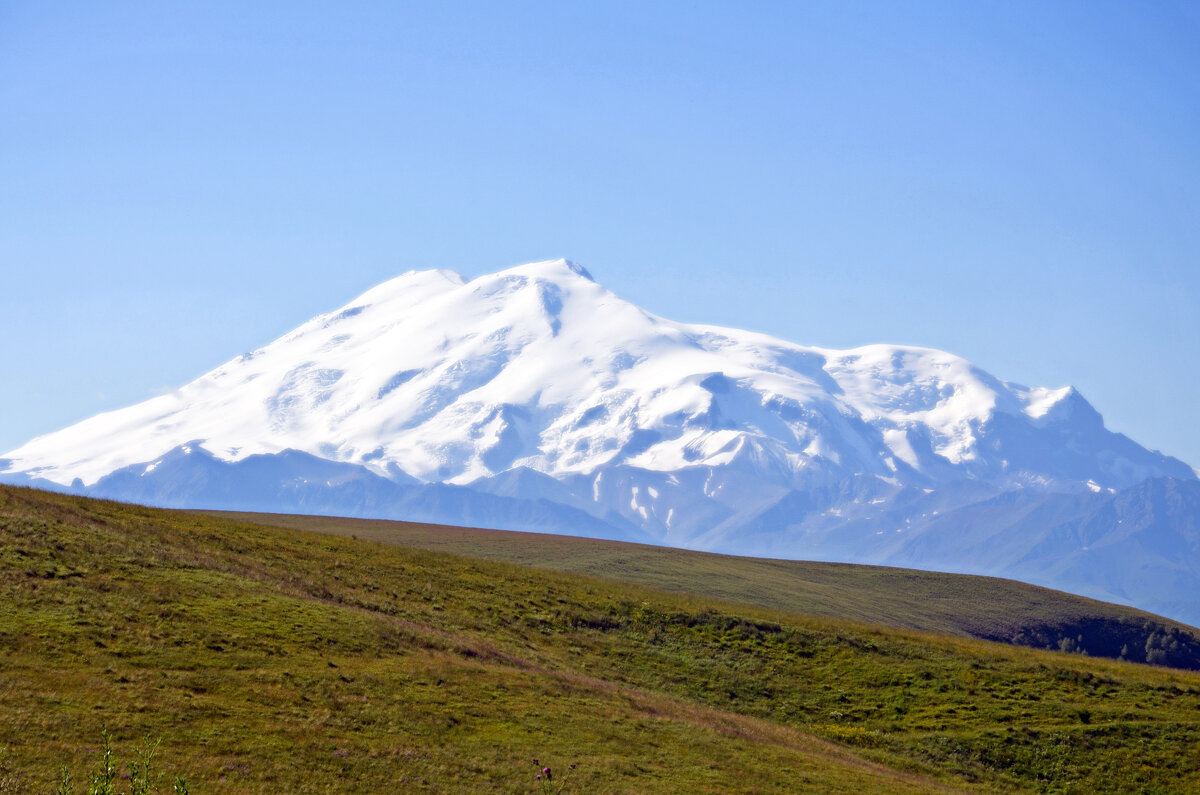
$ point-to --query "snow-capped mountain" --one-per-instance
(534, 398)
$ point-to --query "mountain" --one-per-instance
(534, 398)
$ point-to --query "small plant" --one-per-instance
(547, 782)
(103, 780)
(140, 778)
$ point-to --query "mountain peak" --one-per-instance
(550, 269)
(1066, 405)
(414, 285)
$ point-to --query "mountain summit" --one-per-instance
(535, 398)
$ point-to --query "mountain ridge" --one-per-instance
(872, 409)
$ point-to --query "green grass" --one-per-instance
(981, 607)
(275, 660)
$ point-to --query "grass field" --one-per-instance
(981, 607)
(275, 660)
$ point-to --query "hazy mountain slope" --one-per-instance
(534, 398)
(190, 477)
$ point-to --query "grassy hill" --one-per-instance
(980, 607)
(274, 660)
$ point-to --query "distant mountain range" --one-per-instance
(536, 399)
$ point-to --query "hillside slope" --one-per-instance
(988, 608)
(273, 660)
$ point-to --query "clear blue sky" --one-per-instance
(1018, 183)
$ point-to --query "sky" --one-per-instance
(1015, 182)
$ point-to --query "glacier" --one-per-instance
(536, 399)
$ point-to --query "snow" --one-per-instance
(1041, 400)
(540, 366)
(897, 441)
